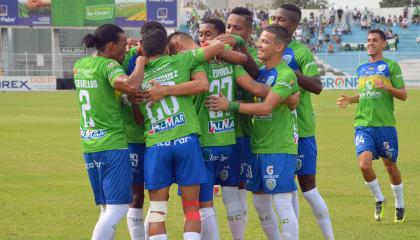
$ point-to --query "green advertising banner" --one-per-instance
(82, 13)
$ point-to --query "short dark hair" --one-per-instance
(102, 36)
(281, 33)
(151, 25)
(154, 42)
(244, 12)
(181, 36)
(293, 8)
(217, 23)
(379, 32)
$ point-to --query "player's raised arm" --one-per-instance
(130, 84)
(234, 57)
(214, 48)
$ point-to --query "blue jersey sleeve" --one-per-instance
(132, 64)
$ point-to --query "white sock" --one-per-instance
(209, 229)
(159, 237)
(320, 210)
(135, 223)
(244, 203)
(295, 202)
(234, 211)
(107, 223)
(287, 217)
(398, 194)
(376, 190)
(268, 219)
(191, 236)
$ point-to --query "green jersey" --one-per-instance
(301, 59)
(245, 120)
(101, 123)
(134, 132)
(276, 132)
(218, 127)
(376, 106)
(174, 116)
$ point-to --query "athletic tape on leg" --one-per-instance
(158, 210)
(191, 214)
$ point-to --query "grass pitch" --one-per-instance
(45, 192)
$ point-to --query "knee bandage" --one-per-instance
(158, 210)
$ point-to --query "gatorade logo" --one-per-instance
(381, 67)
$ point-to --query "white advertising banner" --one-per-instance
(28, 83)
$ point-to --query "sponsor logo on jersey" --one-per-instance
(92, 134)
(381, 67)
(287, 58)
(223, 174)
(167, 124)
(224, 125)
(270, 183)
(270, 170)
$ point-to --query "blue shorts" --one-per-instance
(306, 158)
(242, 152)
(110, 176)
(177, 161)
(381, 141)
(137, 159)
(271, 173)
(221, 170)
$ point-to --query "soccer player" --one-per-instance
(136, 146)
(218, 127)
(301, 60)
(240, 23)
(270, 175)
(173, 152)
(98, 79)
(380, 81)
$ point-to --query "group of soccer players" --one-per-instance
(219, 113)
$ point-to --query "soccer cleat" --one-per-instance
(379, 210)
(399, 215)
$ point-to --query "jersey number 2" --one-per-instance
(85, 101)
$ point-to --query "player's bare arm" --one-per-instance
(263, 108)
(233, 57)
(345, 100)
(197, 85)
(250, 66)
(138, 117)
(131, 84)
(398, 93)
(252, 86)
(213, 48)
(311, 84)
